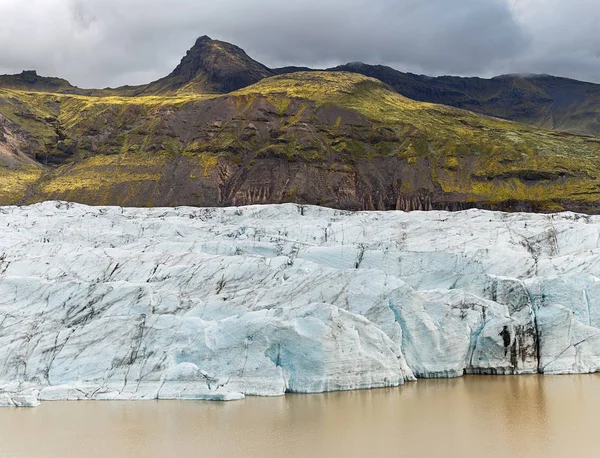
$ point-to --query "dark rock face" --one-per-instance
(29, 75)
(29, 80)
(212, 66)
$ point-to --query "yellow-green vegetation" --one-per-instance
(109, 169)
(31, 112)
(205, 160)
(281, 102)
(484, 159)
(309, 85)
(47, 117)
(15, 183)
(100, 175)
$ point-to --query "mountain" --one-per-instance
(336, 139)
(217, 67)
(210, 66)
(540, 100)
(339, 139)
(29, 80)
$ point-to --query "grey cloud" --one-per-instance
(565, 38)
(96, 43)
(437, 35)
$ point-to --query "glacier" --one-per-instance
(106, 303)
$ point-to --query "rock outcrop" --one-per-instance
(183, 303)
(212, 66)
(29, 80)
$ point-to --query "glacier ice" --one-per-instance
(219, 303)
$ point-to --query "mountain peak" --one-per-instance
(356, 64)
(212, 66)
(203, 39)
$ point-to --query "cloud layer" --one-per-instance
(97, 43)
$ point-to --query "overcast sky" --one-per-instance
(98, 43)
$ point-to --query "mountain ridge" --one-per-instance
(338, 139)
(29, 80)
(213, 66)
(545, 101)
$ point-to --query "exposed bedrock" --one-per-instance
(187, 303)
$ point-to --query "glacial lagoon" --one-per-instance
(474, 416)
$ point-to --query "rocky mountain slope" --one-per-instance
(335, 139)
(540, 100)
(209, 67)
(113, 303)
(330, 138)
(213, 66)
(29, 80)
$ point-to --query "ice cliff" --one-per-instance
(186, 303)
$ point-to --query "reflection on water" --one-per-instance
(523, 416)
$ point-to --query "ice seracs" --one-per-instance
(185, 303)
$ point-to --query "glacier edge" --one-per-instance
(218, 303)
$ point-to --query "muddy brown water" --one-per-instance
(522, 416)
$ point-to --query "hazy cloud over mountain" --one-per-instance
(113, 42)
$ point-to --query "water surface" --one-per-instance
(524, 416)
